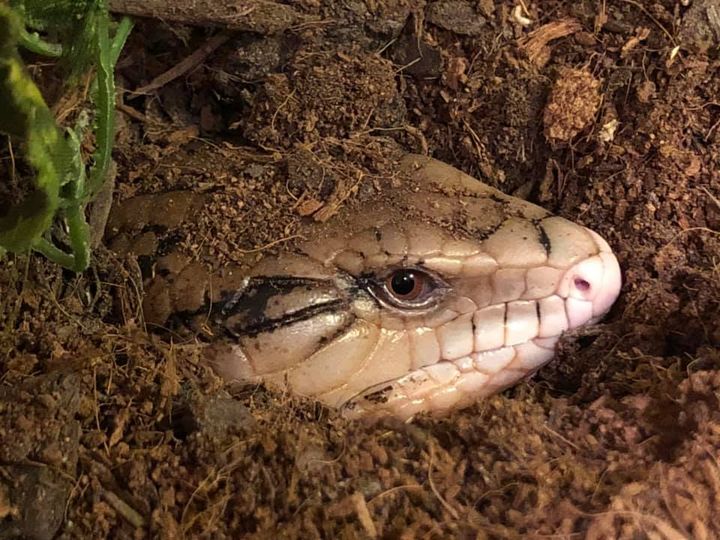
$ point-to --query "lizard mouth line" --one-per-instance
(467, 363)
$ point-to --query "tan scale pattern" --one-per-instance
(518, 278)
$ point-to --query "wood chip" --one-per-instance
(308, 207)
(186, 65)
(535, 43)
(363, 514)
(131, 515)
(260, 16)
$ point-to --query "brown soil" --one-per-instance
(109, 431)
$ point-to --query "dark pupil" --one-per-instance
(403, 283)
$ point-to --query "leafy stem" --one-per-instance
(62, 187)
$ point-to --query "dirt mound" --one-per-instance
(108, 431)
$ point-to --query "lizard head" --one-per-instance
(442, 291)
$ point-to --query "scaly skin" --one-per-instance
(506, 279)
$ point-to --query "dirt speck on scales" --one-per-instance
(604, 113)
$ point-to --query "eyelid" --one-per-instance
(378, 288)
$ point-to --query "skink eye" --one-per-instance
(406, 284)
(408, 288)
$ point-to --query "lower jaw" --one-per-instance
(452, 384)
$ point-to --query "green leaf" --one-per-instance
(82, 30)
(35, 44)
(70, 22)
(25, 115)
(25, 222)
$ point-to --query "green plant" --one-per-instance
(63, 183)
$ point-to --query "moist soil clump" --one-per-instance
(605, 113)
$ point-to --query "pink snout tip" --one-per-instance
(592, 286)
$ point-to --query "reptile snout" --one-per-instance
(591, 286)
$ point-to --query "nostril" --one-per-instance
(581, 284)
(583, 281)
